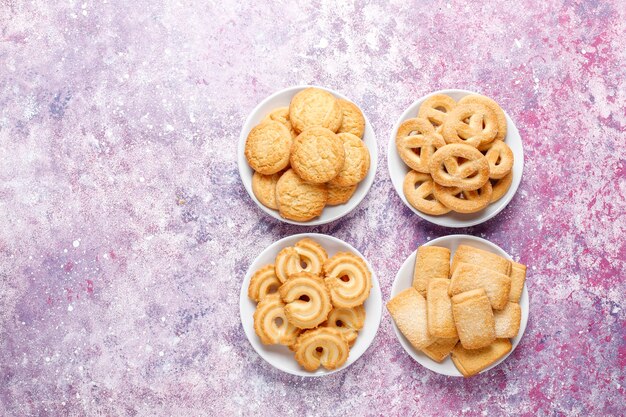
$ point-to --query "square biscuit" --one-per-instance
(408, 310)
(468, 277)
(440, 350)
(518, 278)
(440, 319)
(475, 256)
(508, 320)
(474, 320)
(471, 362)
(430, 262)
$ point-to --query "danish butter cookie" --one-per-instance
(287, 262)
(270, 322)
(317, 155)
(471, 361)
(348, 321)
(299, 200)
(356, 161)
(348, 279)
(323, 346)
(307, 302)
(339, 195)
(264, 188)
(353, 120)
(419, 192)
(473, 318)
(263, 282)
(315, 107)
(268, 147)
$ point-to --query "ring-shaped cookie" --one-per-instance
(348, 321)
(356, 162)
(311, 257)
(271, 324)
(307, 302)
(435, 109)
(263, 282)
(315, 107)
(417, 141)
(324, 346)
(464, 201)
(500, 158)
(418, 190)
(348, 279)
(469, 174)
(287, 261)
(456, 128)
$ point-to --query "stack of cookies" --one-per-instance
(468, 309)
(458, 155)
(308, 155)
(311, 303)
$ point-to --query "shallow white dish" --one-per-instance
(398, 169)
(404, 279)
(282, 98)
(281, 357)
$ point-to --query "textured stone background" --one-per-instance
(125, 231)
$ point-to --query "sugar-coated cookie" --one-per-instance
(419, 191)
(500, 158)
(457, 130)
(348, 278)
(306, 298)
(467, 277)
(471, 361)
(271, 324)
(473, 318)
(436, 108)
(518, 278)
(501, 186)
(264, 188)
(430, 262)
(440, 349)
(469, 174)
(440, 320)
(464, 201)
(299, 200)
(416, 142)
(317, 155)
(356, 161)
(482, 258)
(353, 120)
(263, 282)
(494, 107)
(339, 195)
(408, 310)
(268, 147)
(323, 346)
(314, 107)
(508, 320)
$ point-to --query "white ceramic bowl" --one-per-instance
(404, 279)
(398, 169)
(331, 213)
(281, 357)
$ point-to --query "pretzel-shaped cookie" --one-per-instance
(348, 321)
(500, 158)
(270, 322)
(436, 108)
(323, 346)
(348, 279)
(263, 282)
(416, 142)
(495, 108)
(464, 201)
(470, 174)
(418, 190)
(457, 130)
(307, 300)
(501, 186)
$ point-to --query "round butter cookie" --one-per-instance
(315, 107)
(353, 120)
(419, 192)
(356, 161)
(339, 195)
(281, 115)
(263, 282)
(317, 155)
(268, 147)
(271, 324)
(264, 188)
(323, 346)
(348, 279)
(348, 321)
(299, 200)
(306, 298)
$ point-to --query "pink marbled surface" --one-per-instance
(125, 231)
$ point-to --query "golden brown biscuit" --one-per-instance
(356, 162)
(286, 262)
(470, 174)
(494, 107)
(299, 200)
(348, 278)
(317, 155)
(416, 142)
(471, 362)
(281, 115)
(348, 321)
(271, 324)
(440, 349)
(306, 298)
(353, 120)
(500, 158)
(419, 192)
(475, 256)
(467, 277)
(518, 278)
(430, 262)
(339, 195)
(323, 346)
(440, 319)
(264, 188)
(508, 320)
(408, 310)
(436, 109)
(312, 257)
(473, 318)
(268, 147)
(313, 107)
(263, 282)
(501, 186)
(463, 201)
(457, 130)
